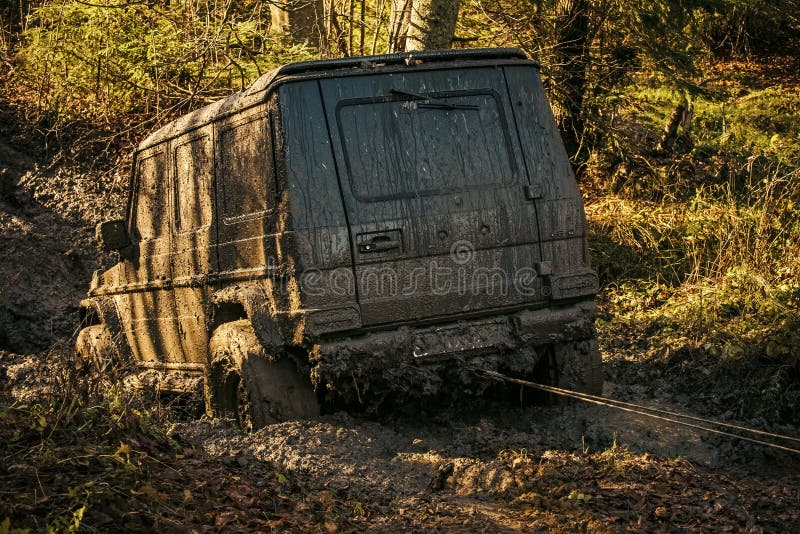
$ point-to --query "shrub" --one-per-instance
(84, 61)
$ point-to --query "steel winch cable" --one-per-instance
(648, 411)
(682, 416)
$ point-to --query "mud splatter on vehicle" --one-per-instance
(350, 231)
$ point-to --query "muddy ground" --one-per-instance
(479, 467)
(476, 467)
(47, 253)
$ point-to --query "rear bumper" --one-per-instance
(419, 361)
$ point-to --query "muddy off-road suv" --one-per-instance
(352, 231)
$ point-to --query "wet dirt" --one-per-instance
(406, 454)
(478, 465)
(47, 250)
(484, 466)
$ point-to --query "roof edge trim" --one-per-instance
(409, 58)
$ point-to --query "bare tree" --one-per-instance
(399, 18)
(572, 23)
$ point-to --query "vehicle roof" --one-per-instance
(331, 68)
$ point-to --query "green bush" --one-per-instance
(82, 61)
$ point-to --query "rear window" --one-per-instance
(415, 145)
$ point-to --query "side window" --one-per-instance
(151, 219)
(246, 171)
(193, 176)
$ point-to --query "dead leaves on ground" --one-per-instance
(96, 477)
(616, 490)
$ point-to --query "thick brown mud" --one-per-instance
(481, 467)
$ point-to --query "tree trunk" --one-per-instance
(333, 42)
(300, 20)
(432, 24)
(572, 52)
(681, 116)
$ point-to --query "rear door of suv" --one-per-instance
(436, 192)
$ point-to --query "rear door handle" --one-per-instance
(379, 243)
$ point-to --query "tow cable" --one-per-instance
(647, 411)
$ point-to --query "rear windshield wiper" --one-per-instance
(433, 103)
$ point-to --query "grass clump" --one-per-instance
(83, 453)
(698, 248)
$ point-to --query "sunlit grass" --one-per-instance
(700, 245)
(731, 116)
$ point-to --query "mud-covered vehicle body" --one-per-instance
(372, 227)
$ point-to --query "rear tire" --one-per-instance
(246, 383)
(95, 347)
(578, 366)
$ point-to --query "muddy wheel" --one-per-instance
(578, 366)
(95, 347)
(244, 382)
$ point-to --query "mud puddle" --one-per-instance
(462, 451)
(511, 469)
